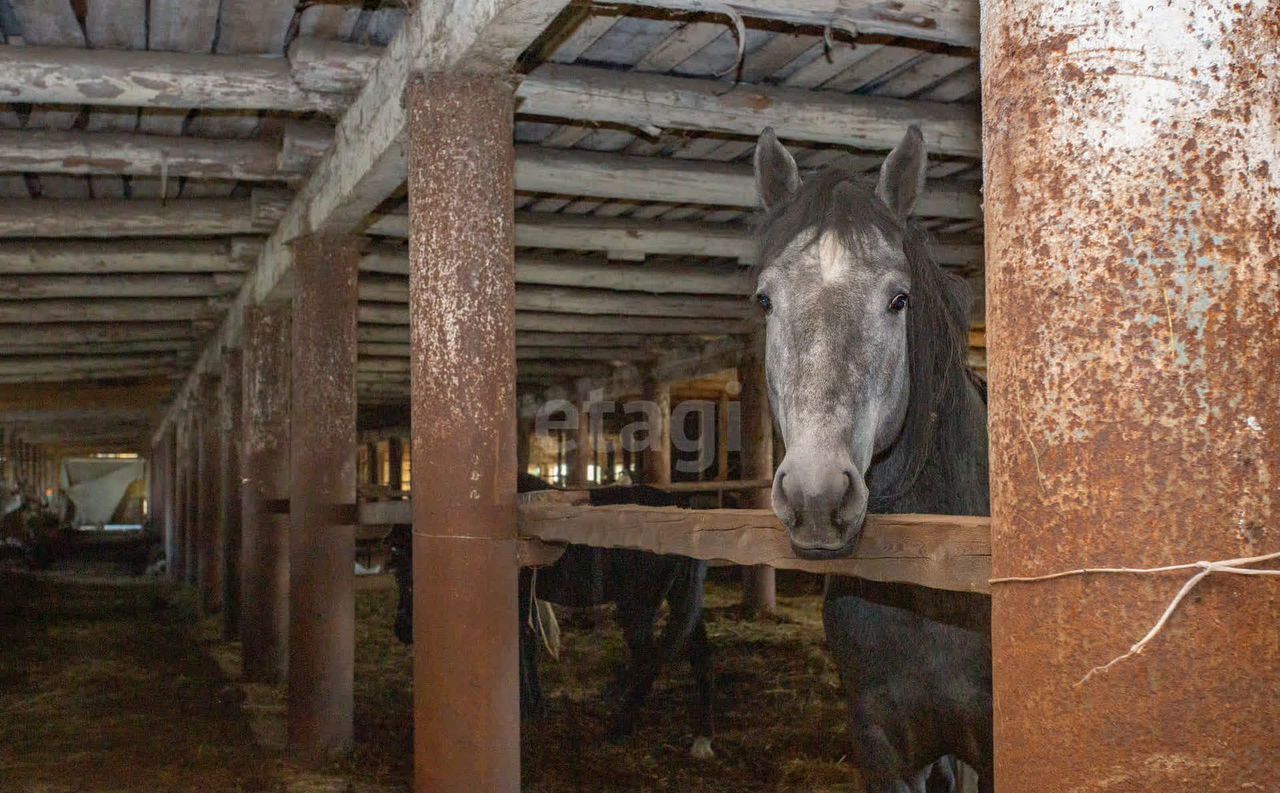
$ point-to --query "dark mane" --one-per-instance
(845, 203)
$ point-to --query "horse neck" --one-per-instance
(953, 480)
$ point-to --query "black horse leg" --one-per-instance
(638, 614)
(704, 717)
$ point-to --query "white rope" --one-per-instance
(1232, 566)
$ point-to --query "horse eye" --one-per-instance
(764, 302)
(899, 302)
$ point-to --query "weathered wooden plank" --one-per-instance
(939, 551)
(35, 365)
(99, 285)
(947, 21)
(943, 552)
(117, 153)
(367, 162)
(645, 101)
(112, 310)
(390, 296)
(546, 170)
(102, 348)
(131, 256)
(60, 75)
(396, 317)
(83, 332)
(196, 217)
(551, 271)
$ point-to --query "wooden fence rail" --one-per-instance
(940, 551)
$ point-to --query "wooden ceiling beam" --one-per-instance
(31, 257)
(115, 218)
(366, 163)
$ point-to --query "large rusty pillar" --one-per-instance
(209, 560)
(759, 590)
(462, 315)
(264, 540)
(322, 453)
(229, 482)
(655, 458)
(1132, 199)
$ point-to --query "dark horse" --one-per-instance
(865, 345)
(638, 582)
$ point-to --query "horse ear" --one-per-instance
(902, 174)
(777, 177)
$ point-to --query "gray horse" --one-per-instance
(865, 346)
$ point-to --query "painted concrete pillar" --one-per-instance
(759, 591)
(322, 451)
(210, 564)
(462, 315)
(264, 542)
(655, 459)
(1132, 199)
(230, 401)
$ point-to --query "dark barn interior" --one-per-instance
(327, 323)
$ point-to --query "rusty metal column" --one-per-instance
(264, 542)
(322, 486)
(462, 315)
(1132, 202)
(655, 465)
(209, 561)
(759, 590)
(230, 400)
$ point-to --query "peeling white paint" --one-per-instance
(1154, 61)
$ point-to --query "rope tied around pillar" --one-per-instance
(1232, 566)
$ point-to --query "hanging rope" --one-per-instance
(1229, 566)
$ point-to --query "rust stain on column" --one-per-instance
(229, 490)
(1133, 279)
(462, 330)
(322, 485)
(209, 560)
(264, 548)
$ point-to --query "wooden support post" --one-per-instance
(656, 456)
(580, 451)
(524, 442)
(1143, 430)
(231, 402)
(323, 496)
(210, 564)
(264, 544)
(372, 476)
(178, 500)
(759, 592)
(722, 440)
(169, 453)
(395, 463)
(191, 499)
(462, 306)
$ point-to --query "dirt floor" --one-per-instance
(104, 688)
(110, 687)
